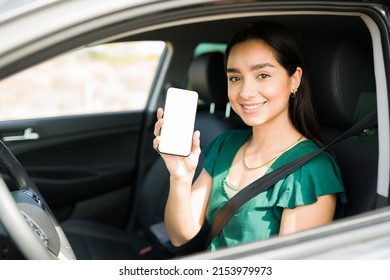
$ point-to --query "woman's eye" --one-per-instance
(263, 76)
(234, 79)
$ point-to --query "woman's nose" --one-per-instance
(249, 89)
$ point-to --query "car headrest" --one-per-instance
(207, 76)
(342, 82)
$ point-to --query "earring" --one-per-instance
(294, 93)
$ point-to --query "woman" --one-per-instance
(267, 89)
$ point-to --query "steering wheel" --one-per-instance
(26, 216)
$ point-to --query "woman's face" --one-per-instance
(259, 88)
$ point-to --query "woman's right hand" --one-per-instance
(180, 168)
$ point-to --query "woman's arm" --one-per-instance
(186, 204)
(308, 216)
(186, 208)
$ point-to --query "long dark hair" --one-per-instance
(286, 50)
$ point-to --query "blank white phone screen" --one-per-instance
(179, 120)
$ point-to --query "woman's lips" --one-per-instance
(252, 107)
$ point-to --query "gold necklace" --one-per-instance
(272, 159)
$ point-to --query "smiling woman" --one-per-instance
(264, 72)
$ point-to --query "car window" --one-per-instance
(209, 47)
(105, 78)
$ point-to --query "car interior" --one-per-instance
(97, 170)
(338, 57)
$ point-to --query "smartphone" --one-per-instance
(179, 121)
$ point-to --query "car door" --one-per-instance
(75, 123)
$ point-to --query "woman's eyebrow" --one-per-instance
(232, 70)
(253, 67)
(261, 66)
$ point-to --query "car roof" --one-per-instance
(89, 22)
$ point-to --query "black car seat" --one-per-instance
(343, 87)
(90, 240)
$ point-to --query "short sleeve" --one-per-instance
(220, 152)
(320, 176)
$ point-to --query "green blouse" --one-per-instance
(260, 217)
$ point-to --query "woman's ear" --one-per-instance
(296, 79)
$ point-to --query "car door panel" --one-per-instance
(85, 166)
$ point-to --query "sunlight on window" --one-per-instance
(106, 78)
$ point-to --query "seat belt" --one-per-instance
(263, 183)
